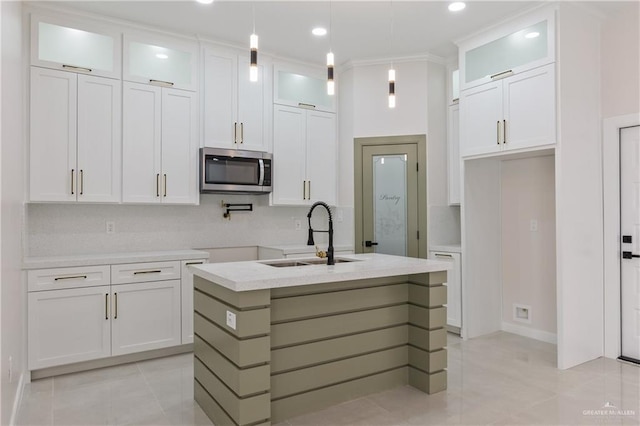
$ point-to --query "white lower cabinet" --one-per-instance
(145, 316)
(454, 286)
(66, 326)
(187, 300)
(85, 313)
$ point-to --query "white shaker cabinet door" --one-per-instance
(254, 107)
(187, 300)
(481, 119)
(289, 153)
(454, 286)
(220, 98)
(141, 143)
(179, 147)
(99, 139)
(67, 326)
(52, 146)
(453, 153)
(530, 108)
(321, 156)
(146, 316)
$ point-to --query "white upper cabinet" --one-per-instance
(159, 60)
(237, 111)
(75, 46)
(518, 46)
(160, 145)
(299, 87)
(304, 149)
(515, 113)
(75, 137)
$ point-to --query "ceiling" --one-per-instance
(361, 30)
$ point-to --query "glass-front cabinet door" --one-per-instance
(302, 88)
(159, 61)
(77, 47)
(526, 44)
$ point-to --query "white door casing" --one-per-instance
(630, 227)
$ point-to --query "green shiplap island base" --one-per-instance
(300, 349)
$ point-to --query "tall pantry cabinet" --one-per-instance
(519, 102)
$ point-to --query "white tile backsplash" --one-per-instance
(68, 229)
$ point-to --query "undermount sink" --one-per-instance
(306, 262)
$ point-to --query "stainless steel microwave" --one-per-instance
(230, 170)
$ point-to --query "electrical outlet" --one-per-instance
(298, 224)
(111, 227)
(231, 320)
(533, 225)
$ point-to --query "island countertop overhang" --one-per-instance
(256, 275)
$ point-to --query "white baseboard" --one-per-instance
(17, 399)
(529, 332)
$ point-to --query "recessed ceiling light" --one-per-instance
(457, 6)
(205, 1)
(319, 31)
(161, 56)
(532, 34)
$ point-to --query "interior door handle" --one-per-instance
(629, 255)
(370, 243)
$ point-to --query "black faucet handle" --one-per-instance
(310, 238)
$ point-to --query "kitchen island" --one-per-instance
(276, 339)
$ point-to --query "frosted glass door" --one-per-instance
(160, 63)
(390, 203)
(302, 90)
(70, 47)
(390, 200)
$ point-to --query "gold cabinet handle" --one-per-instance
(501, 74)
(156, 271)
(81, 182)
(158, 185)
(241, 132)
(498, 132)
(74, 277)
(106, 306)
(304, 189)
(73, 178)
(302, 104)
(235, 132)
(193, 263)
(71, 67)
(504, 131)
(115, 314)
(444, 255)
(165, 184)
(161, 83)
(309, 192)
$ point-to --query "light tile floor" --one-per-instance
(501, 379)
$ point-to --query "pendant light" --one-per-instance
(392, 71)
(253, 46)
(331, 85)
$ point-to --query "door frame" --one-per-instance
(421, 143)
(611, 202)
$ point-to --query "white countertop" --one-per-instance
(111, 258)
(303, 248)
(449, 248)
(255, 275)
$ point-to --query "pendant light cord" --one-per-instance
(253, 14)
(391, 32)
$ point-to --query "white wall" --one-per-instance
(12, 295)
(621, 62)
(65, 229)
(528, 256)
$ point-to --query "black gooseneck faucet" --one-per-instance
(310, 242)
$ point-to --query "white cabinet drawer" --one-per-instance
(144, 272)
(61, 278)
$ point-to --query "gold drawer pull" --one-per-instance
(106, 306)
(75, 277)
(115, 315)
(71, 67)
(161, 83)
(193, 263)
(444, 255)
(147, 272)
